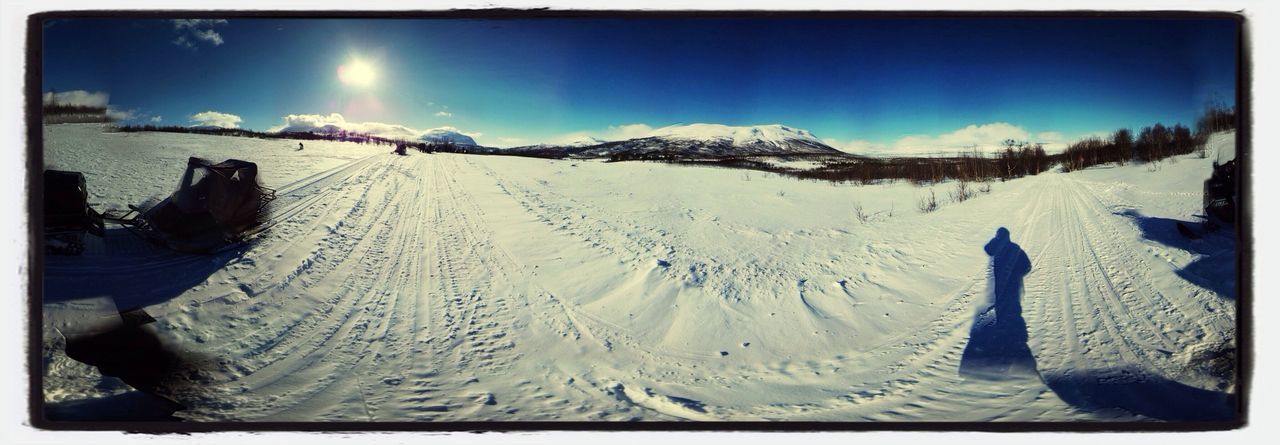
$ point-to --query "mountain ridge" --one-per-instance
(694, 140)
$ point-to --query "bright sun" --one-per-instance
(357, 73)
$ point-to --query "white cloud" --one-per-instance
(196, 23)
(629, 131)
(334, 122)
(1050, 136)
(208, 35)
(856, 146)
(216, 119)
(121, 115)
(191, 32)
(571, 138)
(77, 98)
(156, 119)
(612, 133)
(455, 130)
(987, 138)
(443, 114)
(96, 99)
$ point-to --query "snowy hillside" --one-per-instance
(461, 287)
(446, 134)
(583, 141)
(698, 140)
(779, 136)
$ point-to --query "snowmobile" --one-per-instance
(216, 206)
(67, 215)
(401, 150)
(1221, 197)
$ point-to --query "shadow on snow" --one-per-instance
(997, 347)
(132, 274)
(135, 274)
(997, 350)
(1215, 265)
(162, 371)
(1131, 391)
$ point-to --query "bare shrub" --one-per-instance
(929, 203)
(859, 213)
(962, 192)
(1216, 116)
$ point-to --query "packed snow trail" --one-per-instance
(452, 287)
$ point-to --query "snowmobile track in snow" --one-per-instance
(405, 288)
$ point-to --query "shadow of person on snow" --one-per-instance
(1130, 391)
(128, 274)
(1215, 265)
(129, 347)
(997, 347)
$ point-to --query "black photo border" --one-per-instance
(35, 254)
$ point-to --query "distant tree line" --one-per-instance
(1015, 160)
(1216, 117)
(447, 146)
(1152, 143)
(242, 132)
(644, 156)
(334, 135)
(56, 109)
(55, 113)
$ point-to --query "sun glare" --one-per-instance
(357, 73)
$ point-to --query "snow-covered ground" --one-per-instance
(464, 287)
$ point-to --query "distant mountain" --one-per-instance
(584, 141)
(446, 134)
(696, 141)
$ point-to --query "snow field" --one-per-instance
(457, 287)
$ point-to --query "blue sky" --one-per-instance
(511, 82)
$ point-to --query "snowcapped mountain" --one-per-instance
(697, 140)
(779, 136)
(583, 141)
(446, 134)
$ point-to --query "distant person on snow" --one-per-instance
(299, 146)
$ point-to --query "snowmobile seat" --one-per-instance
(1220, 193)
(67, 215)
